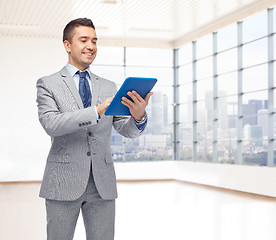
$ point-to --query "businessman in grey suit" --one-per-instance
(79, 173)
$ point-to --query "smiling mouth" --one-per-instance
(88, 53)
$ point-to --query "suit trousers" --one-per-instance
(98, 216)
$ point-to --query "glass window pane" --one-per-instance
(222, 104)
(109, 55)
(186, 133)
(253, 102)
(202, 113)
(274, 149)
(274, 94)
(274, 19)
(227, 37)
(186, 112)
(186, 54)
(186, 152)
(164, 75)
(262, 120)
(204, 46)
(157, 110)
(255, 78)
(149, 57)
(170, 114)
(185, 93)
(148, 148)
(204, 68)
(156, 142)
(274, 130)
(255, 27)
(230, 132)
(274, 72)
(209, 105)
(205, 143)
(249, 120)
(232, 106)
(254, 151)
(255, 120)
(227, 84)
(227, 151)
(186, 73)
(205, 130)
(203, 87)
(227, 61)
(255, 53)
(115, 74)
(274, 44)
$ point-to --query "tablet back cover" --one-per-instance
(141, 85)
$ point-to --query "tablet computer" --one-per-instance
(141, 85)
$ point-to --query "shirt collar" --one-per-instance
(73, 70)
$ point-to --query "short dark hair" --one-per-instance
(69, 28)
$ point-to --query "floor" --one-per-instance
(170, 210)
(152, 210)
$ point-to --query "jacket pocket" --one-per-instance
(59, 158)
(108, 158)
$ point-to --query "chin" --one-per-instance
(89, 61)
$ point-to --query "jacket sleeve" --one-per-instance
(56, 122)
(127, 127)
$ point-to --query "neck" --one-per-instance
(81, 68)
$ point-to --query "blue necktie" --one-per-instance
(84, 90)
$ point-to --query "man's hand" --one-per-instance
(103, 106)
(138, 105)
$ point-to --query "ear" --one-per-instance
(67, 46)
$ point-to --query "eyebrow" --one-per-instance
(88, 37)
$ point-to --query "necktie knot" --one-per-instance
(82, 74)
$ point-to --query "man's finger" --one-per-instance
(139, 98)
(133, 97)
(126, 104)
(126, 100)
(148, 97)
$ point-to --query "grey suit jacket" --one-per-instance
(79, 139)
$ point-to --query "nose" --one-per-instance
(90, 45)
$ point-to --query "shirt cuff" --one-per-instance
(97, 115)
(141, 124)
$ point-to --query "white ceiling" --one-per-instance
(147, 23)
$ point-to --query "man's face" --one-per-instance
(83, 47)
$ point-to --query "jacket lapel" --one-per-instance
(95, 89)
(69, 81)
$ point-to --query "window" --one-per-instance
(156, 142)
(255, 27)
(231, 93)
(227, 37)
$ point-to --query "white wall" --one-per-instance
(251, 179)
(23, 143)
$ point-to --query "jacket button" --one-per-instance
(88, 153)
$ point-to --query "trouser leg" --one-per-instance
(98, 215)
(62, 218)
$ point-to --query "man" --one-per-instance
(79, 173)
